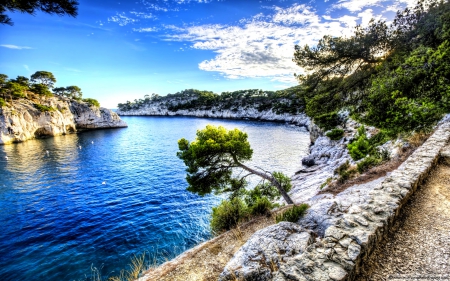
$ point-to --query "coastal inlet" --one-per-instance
(94, 199)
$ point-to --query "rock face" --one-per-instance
(23, 121)
(161, 109)
(347, 225)
(264, 253)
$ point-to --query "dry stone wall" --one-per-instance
(346, 227)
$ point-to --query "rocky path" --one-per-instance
(419, 248)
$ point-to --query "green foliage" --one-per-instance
(327, 121)
(44, 77)
(41, 89)
(92, 102)
(367, 163)
(74, 92)
(16, 90)
(283, 101)
(394, 77)
(335, 134)
(360, 147)
(292, 214)
(227, 215)
(214, 154)
(2, 102)
(43, 108)
(22, 80)
(59, 7)
(345, 172)
(261, 206)
(211, 157)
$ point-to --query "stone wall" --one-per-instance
(339, 232)
(22, 120)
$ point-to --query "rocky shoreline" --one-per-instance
(23, 120)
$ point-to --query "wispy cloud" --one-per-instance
(121, 19)
(145, 29)
(26, 67)
(143, 15)
(15, 47)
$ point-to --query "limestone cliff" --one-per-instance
(23, 120)
(163, 108)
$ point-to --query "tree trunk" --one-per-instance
(269, 178)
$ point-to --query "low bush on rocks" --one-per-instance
(335, 134)
(2, 102)
(292, 214)
(228, 214)
(43, 108)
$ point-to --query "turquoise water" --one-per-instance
(94, 199)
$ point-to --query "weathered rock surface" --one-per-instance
(264, 253)
(348, 225)
(23, 121)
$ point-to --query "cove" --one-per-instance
(98, 197)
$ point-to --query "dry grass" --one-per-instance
(206, 261)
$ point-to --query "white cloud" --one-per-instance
(15, 47)
(122, 19)
(357, 5)
(262, 46)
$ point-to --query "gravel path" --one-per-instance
(419, 249)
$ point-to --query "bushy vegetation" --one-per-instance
(285, 101)
(293, 214)
(335, 134)
(360, 147)
(2, 102)
(228, 214)
(43, 108)
(92, 102)
(345, 172)
(40, 84)
(391, 76)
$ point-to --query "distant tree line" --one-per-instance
(284, 101)
(40, 84)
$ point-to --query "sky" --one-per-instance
(119, 50)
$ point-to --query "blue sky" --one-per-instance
(117, 50)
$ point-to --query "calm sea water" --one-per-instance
(98, 197)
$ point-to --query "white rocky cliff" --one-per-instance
(160, 108)
(23, 120)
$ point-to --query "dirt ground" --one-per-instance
(207, 261)
(419, 249)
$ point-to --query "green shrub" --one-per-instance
(228, 214)
(328, 121)
(92, 102)
(367, 163)
(262, 206)
(345, 172)
(43, 108)
(2, 102)
(360, 147)
(335, 134)
(292, 214)
(378, 139)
